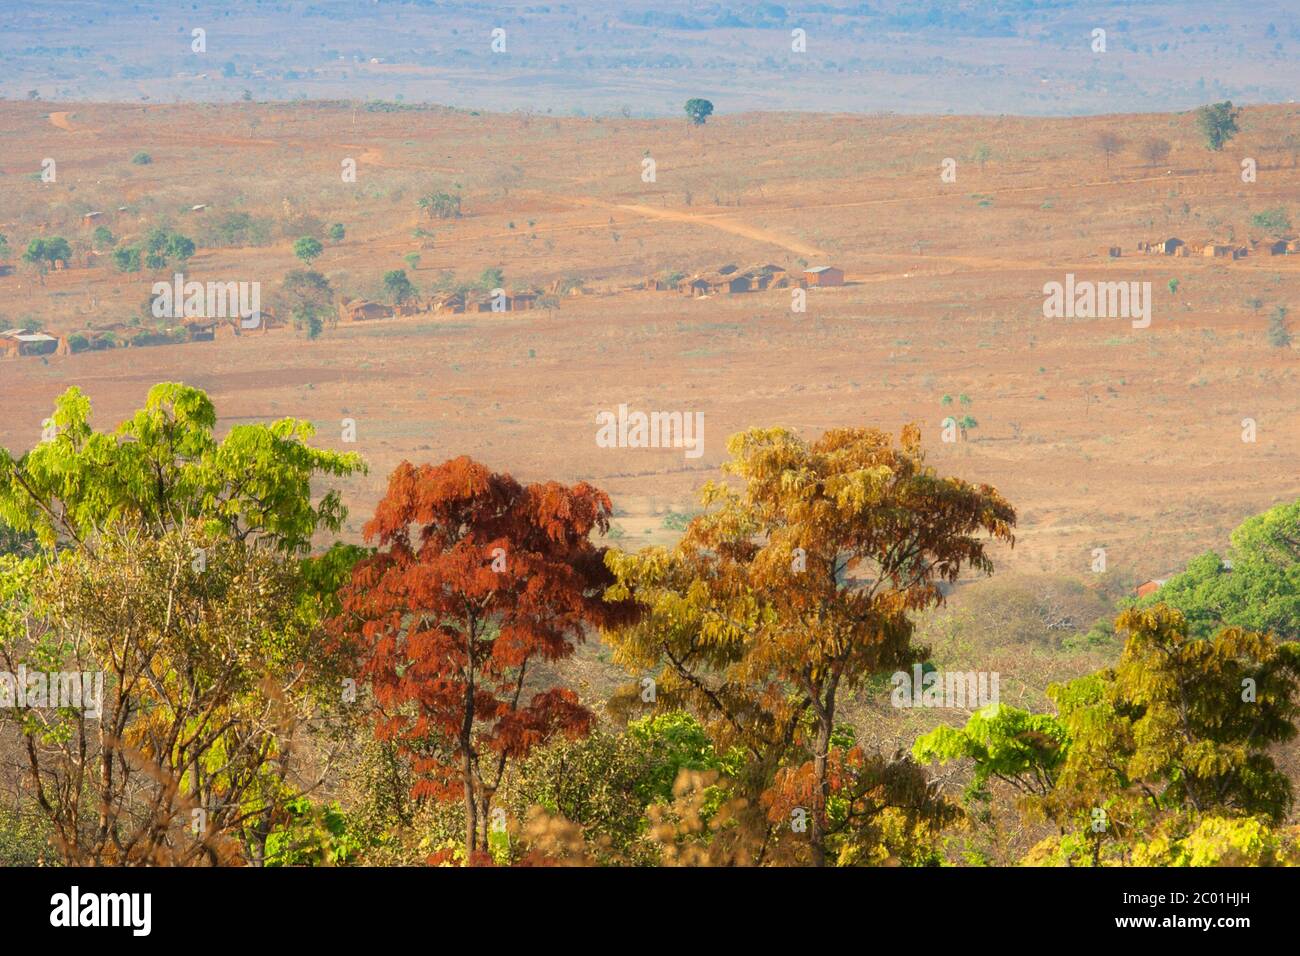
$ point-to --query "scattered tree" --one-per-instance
(308, 249)
(1108, 144)
(1217, 124)
(698, 110)
(398, 287)
(1155, 151)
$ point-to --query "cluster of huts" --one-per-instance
(16, 342)
(22, 342)
(445, 303)
(1174, 246)
(732, 280)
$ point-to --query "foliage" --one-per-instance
(440, 205)
(1272, 221)
(698, 110)
(477, 579)
(308, 300)
(308, 249)
(1217, 124)
(398, 287)
(314, 835)
(799, 588)
(1257, 585)
(163, 466)
(45, 252)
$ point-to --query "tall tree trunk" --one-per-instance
(823, 789)
(471, 806)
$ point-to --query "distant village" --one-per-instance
(1174, 246)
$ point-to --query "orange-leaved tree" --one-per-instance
(794, 589)
(476, 580)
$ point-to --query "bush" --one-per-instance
(142, 159)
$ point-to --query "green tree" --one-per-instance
(1217, 123)
(308, 300)
(1181, 727)
(43, 253)
(142, 159)
(337, 232)
(1274, 221)
(1255, 586)
(412, 260)
(1279, 335)
(103, 236)
(398, 287)
(127, 258)
(440, 205)
(698, 110)
(308, 249)
(163, 466)
(151, 572)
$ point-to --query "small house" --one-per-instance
(695, 286)
(33, 343)
(360, 310)
(1150, 587)
(1217, 250)
(201, 330)
(525, 300)
(824, 276)
(1273, 247)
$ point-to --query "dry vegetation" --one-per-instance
(1102, 435)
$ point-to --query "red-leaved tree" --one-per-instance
(476, 579)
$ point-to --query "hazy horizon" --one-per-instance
(1024, 57)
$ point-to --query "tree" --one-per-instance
(982, 155)
(161, 244)
(127, 258)
(163, 466)
(4, 247)
(1279, 335)
(398, 286)
(337, 232)
(793, 591)
(1275, 222)
(1180, 728)
(1155, 151)
(308, 300)
(308, 249)
(142, 159)
(698, 110)
(440, 205)
(478, 580)
(151, 571)
(965, 424)
(103, 236)
(1108, 144)
(1256, 585)
(43, 253)
(412, 260)
(1217, 123)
